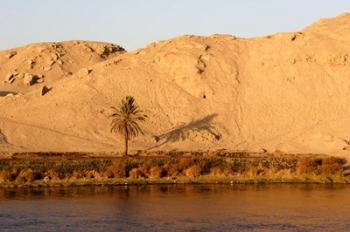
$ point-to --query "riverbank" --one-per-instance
(44, 169)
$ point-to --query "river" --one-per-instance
(177, 208)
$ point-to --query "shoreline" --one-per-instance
(184, 181)
(35, 155)
(65, 169)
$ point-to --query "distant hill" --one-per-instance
(287, 92)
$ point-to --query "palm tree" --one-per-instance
(126, 120)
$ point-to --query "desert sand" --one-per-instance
(287, 92)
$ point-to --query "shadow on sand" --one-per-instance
(181, 132)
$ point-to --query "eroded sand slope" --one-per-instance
(27, 68)
(286, 92)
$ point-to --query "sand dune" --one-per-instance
(287, 92)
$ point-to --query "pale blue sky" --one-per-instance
(134, 23)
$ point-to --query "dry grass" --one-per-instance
(318, 166)
(50, 171)
(116, 170)
(156, 173)
(309, 166)
(25, 176)
(332, 166)
(134, 173)
(193, 171)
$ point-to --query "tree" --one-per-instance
(126, 119)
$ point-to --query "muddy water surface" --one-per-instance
(177, 208)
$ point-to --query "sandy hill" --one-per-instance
(287, 92)
(26, 68)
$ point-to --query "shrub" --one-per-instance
(332, 166)
(185, 163)
(156, 172)
(74, 176)
(134, 173)
(218, 171)
(283, 163)
(25, 176)
(154, 162)
(38, 175)
(239, 166)
(52, 175)
(93, 175)
(172, 169)
(309, 165)
(63, 168)
(117, 170)
(4, 176)
(205, 164)
(108, 173)
(256, 170)
(193, 171)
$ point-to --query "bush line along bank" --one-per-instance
(100, 170)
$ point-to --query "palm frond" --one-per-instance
(127, 117)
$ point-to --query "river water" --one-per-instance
(177, 208)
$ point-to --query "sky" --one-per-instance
(135, 23)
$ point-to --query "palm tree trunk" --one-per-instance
(126, 141)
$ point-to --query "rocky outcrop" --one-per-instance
(31, 79)
(54, 60)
